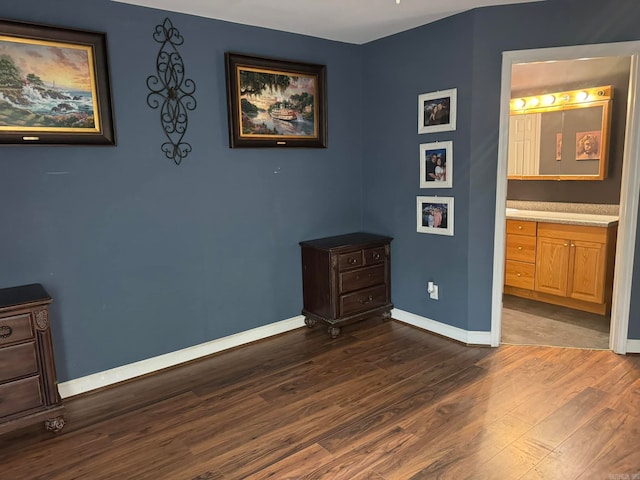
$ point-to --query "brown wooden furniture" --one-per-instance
(563, 264)
(28, 389)
(346, 278)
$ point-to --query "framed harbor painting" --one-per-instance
(436, 165)
(437, 111)
(435, 215)
(54, 86)
(275, 103)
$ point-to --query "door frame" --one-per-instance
(629, 188)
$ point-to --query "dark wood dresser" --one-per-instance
(345, 279)
(28, 388)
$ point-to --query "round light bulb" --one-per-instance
(582, 96)
(549, 99)
(519, 104)
(534, 102)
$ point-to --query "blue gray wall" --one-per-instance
(144, 257)
(464, 51)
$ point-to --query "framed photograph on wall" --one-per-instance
(437, 111)
(435, 215)
(54, 86)
(275, 103)
(436, 165)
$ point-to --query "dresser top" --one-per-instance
(25, 294)
(349, 240)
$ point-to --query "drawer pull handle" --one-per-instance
(376, 256)
(518, 275)
(369, 299)
(352, 261)
(6, 331)
(519, 227)
(519, 248)
(566, 244)
(573, 244)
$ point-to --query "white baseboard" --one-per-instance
(126, 372)
(633, 346)
(455, 333)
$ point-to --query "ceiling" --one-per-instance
(351, 21)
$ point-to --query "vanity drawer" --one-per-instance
(363, 300)
(15, 329)
(350, 260)
(20, 396)
(519, 274)
(521, 248)
(521, 227)
(18, 361)
(362, 278)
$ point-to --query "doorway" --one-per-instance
(630, 184)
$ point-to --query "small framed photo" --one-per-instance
(54, 86)
(435, 215)
(436, 165)
(437, 111)
(588, 145)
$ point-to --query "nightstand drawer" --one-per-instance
(18, 361)
(15, 329)
(363, 300)
(20, 396)
(362, 278)
(519, 274)
(350, 260)
(374, 255)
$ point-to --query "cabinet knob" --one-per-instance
(519, 227)
(5, 331)
(519, 248)
(352, 261)
(518, 275)
(573, 244)
(566, 244)
(376, 256)
(367, 300)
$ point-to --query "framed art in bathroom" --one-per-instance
(54, 86)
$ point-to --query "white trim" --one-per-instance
(633, 346)
(455, 333)
(629, 193)
(143, 367)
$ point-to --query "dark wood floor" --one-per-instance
(383, 401)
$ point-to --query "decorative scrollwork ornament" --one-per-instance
(171, 91)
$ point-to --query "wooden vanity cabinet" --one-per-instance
(564, 264)
(28, 387)
(346, 278)
(575, 261)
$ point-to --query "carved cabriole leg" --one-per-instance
(386, 316)
(309, 322)
(54, 424)
(334, 331)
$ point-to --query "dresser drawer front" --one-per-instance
(18, 361)
(363, 300)
(15, 329)
(362, 278)
(519, 274)
(522, 227)
(521, 248)
(19, 396)
(374, 255)
(350, 260)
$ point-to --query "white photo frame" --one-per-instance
(435, 215)
(436, 165)
(437, 111)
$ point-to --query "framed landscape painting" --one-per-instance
(437, 111)
(275, 103)
(54, 86)
(435, 215)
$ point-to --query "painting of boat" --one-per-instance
(283, 114)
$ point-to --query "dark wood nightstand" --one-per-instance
(345, 279)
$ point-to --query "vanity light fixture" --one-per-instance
(558, 100)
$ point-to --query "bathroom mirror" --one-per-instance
(560, 135)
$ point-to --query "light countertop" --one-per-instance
(589, 219)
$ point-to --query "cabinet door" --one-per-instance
(552, 265)
(586, 271)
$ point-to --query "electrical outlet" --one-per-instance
(433, 294)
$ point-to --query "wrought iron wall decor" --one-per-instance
(171, 91)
